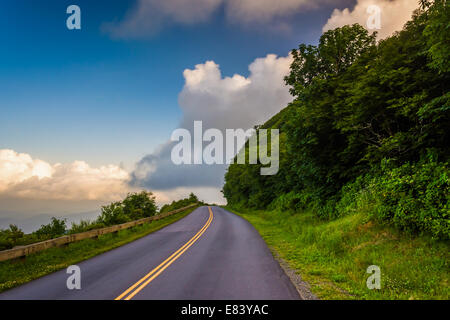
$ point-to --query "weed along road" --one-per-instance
(209, 254)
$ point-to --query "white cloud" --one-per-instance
(249, 11)
(29, 214)
(21, 176)
(219, 102)
(394, 14)
(149, 16)
(237, 101)
(16, 168)
(28, 184)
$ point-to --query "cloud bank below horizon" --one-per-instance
(21, 176)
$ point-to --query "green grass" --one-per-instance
(20, 271)
(333, 256)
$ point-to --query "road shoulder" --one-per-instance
(303, 287)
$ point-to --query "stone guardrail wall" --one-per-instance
(23, 251)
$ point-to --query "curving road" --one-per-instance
(209, 254)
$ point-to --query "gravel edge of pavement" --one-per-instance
(303, 288)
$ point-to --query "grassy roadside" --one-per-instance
(16, 272)
(333, 256)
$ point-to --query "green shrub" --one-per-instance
(135, 206)
(412, 197)
(285, 202)
(180, 203)
(56, 228)
(85, 225)
(139, 205)
(112, 214)
(10, 237)
(379, 100)
(294, 201)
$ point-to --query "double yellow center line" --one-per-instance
(149, 277)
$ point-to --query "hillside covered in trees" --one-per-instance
(368, 129)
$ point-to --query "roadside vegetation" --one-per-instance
(19, 271)
(364, 152)
(174, 205)
(134, 207)
(368, 129)
(333, 255)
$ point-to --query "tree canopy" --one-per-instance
(359, 104)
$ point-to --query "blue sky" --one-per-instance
(68, 95)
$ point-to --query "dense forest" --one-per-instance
(368, 129)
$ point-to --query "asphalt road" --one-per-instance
(207, 255)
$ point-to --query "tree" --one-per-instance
(337, 51)
(437, 34)
(359, 104)
(174, 205)
(56, 228)
(340, 48)
(10, 237)
(139, 205)
(112, 214)
(193, 198)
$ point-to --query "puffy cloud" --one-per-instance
(21, 176)
(222, 103)
(16, 168)
(28, 184)
(394, 14)
(237, 101)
